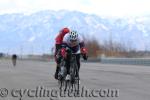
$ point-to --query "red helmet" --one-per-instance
(65, 30)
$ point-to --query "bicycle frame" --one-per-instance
(74, 83)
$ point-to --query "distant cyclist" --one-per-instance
(14, 59)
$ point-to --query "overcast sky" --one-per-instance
(117, 8)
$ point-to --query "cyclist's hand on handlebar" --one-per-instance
(84, 53)
(85, 57)
(83, 50)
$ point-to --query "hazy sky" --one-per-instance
(99, 7)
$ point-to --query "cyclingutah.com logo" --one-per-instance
(42, 92)
(3, 92)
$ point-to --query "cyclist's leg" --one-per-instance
(78, 61)
(77, 76)
(58, 47)
(68, 67)
(57, 70)
(68, 64)
(13, 61)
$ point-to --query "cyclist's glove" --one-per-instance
(83, 50)
(84, 53)
(85, 57)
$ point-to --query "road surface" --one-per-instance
(29, 79)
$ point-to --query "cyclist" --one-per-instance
(58, 43)
(74, 42)
(14, 59)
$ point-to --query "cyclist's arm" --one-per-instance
(83, 48)
(65, 41)
(81, 42)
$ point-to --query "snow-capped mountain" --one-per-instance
(35, 33)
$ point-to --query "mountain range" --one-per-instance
(35, 33)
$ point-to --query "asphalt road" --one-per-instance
(29, 79)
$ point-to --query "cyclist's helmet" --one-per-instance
(65, 30)
(73, 35)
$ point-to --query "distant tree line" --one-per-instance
(112, 49)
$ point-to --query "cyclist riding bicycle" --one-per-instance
(74, 42)
(58, 43)
(14, 59)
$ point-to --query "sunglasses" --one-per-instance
(73, 40)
